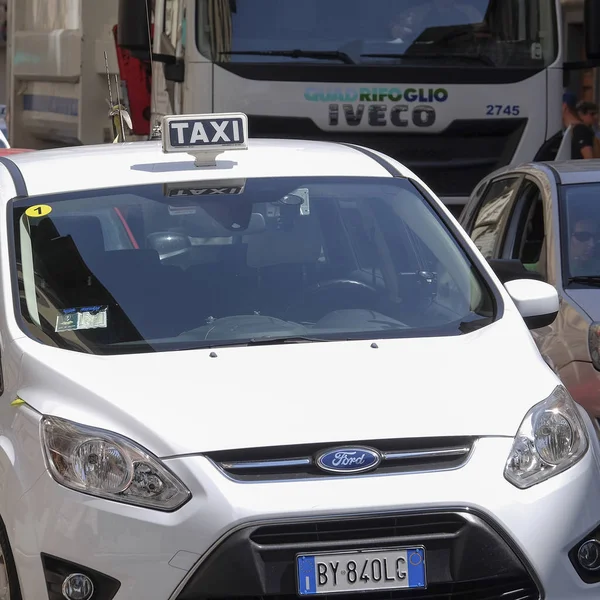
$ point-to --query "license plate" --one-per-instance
(361, 571)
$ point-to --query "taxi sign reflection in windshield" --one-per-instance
(222, 187)
(205, 133)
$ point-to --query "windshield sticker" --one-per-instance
(377, 107)
(87, 317)
(39, 210)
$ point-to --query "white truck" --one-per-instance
(453, 89)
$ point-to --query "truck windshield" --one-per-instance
(241, 262)
(509, 33)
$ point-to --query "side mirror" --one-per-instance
(511, 268)
(133, 35)
(132, 32)
(537, 301)
(591, 20)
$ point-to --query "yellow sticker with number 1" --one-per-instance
(39, 210)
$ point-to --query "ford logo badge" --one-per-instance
(348, 460)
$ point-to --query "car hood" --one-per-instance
(175, 403)
(588, 300)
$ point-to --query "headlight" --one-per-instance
(551, 439)
(108, 465)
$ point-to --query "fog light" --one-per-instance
(78, 587)
(588, 555)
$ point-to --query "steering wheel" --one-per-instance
(344, 294)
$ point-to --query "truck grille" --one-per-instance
(451, 162)
(299, 462)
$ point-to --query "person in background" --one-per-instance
(582, 247)
(569, 110)
(582, 134)
(596, 130)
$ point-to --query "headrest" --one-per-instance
(301, 245)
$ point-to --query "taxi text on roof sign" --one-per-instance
(205, 134)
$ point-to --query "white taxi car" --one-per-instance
(240, 368)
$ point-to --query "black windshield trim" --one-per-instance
(16, 175)
(378, 159)
(24, 326)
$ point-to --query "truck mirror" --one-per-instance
(132, 32)
(591, 21)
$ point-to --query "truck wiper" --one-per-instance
(591, 280)
(317, 54)
(480, 58)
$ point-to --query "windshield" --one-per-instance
(515, 33)
(580, 230)
(237, 262)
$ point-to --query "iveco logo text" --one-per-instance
(371, 106)
(376, 95)
(348, 460)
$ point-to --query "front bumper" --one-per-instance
(236, 540)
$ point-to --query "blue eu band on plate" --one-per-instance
(361, 571)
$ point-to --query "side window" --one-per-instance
(466, 215)
(490, 217)
(530, 230)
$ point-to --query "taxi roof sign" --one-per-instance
(205, 136)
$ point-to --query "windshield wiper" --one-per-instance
(317, 54)
(480, 58)
(284, 339)
(591, 280)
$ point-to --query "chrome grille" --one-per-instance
(299, 462)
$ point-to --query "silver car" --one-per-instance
(542, 220)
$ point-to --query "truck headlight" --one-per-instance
(105, 464)
(551, 439)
